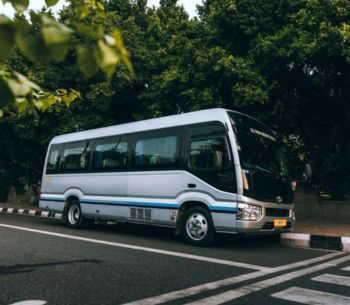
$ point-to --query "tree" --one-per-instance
(301, 49)
(32, 56)
(285, 62)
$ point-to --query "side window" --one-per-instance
(208, 154)
(110, 154)
(53, 161)
(156, 152)
(76, 157)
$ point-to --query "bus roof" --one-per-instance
(216, 114)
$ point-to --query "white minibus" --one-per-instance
(202, 173)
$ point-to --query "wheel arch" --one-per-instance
(68, 201)
(70, 195)
(184, 207)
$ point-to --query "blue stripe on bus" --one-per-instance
(215, 209)
(223, 209)
(52, 199)
(131, 203)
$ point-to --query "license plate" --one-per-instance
(280, 222)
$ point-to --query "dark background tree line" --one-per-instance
(286, 62)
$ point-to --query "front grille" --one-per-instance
(277, 212)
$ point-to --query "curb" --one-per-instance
(337, 243)
(29, 212)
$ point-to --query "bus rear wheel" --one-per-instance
(74, 217)
(197, 226)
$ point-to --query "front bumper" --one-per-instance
(265, 225)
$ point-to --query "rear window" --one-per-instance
(53, 160)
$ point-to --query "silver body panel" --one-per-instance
(152, 197)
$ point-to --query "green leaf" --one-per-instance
(124, 55)
(38, 104)
(7, 32)
(61, 91)
(1, 113)
(56, 37)
(15, 85)
(69, 98)
(86, 61)
(47, 101)
(19, 87)
(107, 58)
(21, 104)
(19, 5)
(58, 52)
(31, 44)
(55, 32)
(90, 31)
(25, 82)
(51, 2)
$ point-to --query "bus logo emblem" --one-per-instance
(279, 199)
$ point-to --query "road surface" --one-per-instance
(44, 262)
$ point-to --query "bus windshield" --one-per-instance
(261, 153)
(257, 146)
(265, 173)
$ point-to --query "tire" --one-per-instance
(74, 218)
(197, 227)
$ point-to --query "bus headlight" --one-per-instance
(248, 212)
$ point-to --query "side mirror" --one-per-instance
(218, 159)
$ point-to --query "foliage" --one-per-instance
(285, 62)
(44, 39)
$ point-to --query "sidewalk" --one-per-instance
(308, 233)
(323, 227)
(319, 234)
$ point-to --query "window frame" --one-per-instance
(224, 133)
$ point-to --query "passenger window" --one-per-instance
(111, 153)
(53, 160)
(156, 152)
(76, 157)
(208, 154)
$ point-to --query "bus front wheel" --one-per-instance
(197, 226)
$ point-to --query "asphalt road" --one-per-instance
(43, 260)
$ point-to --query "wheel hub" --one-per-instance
(74, 214)
(197, 226)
